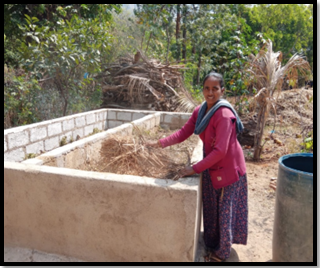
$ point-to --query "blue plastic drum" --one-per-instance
(293, 222)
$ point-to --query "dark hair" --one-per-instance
(216, 75)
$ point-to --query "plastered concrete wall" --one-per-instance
(101, 216)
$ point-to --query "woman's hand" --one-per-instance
(187, 171)
(154, 144)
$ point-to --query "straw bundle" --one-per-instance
(128, 155)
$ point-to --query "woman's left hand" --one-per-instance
(186, 171)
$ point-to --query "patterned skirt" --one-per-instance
(225, 215)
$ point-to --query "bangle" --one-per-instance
(159, 143)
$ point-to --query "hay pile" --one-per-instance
(128, 155)
(136, 82)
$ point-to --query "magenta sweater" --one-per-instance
(221, 146)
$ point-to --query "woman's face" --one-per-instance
(212, 91)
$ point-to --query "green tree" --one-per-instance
(127, 35)
(288, 26)
(48, 15)
(20, 98)
(64, 55)
(209, 21)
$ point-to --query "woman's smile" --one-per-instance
(212, 91)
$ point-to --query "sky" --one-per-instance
(129, 6)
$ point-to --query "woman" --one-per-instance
(224, 181)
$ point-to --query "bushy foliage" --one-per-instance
(68, 58)
(20, 98)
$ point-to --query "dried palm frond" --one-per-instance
(146, 83)
(268, 75)
(186, 102)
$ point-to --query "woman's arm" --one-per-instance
(185, 132)
(224, 126)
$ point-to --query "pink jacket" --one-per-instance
(222, 149)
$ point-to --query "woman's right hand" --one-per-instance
(154, 144)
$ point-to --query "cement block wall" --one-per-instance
(74, 155)
(42, 137)
(51, 206)
(46, 136)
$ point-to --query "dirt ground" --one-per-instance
(294, 115)
(261, 204)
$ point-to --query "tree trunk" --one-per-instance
(148, 43)
(259, 133)
(63, 94)
(144, 32)
(199, 67)
(193, 49)
(168, 42)
(178, 32)
(184, 33)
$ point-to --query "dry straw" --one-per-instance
(129, 155)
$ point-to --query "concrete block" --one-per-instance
(101, 116)
(68, 124)
(99, 125)
(77, 132)
(51, 143)
(18, 139)
(175, 122)
(35, 148)
(143, 123)
(90, 118)
(75, 158)
(168, 118)
(152, 122)
(136, 116)
(124, 116)
(112, 115)
(165, 126)
(54, 129)
(38, 133)
(5, 145)
(93, 151)
(184, 118)
(112, 124)
(67, 134)
(60, 161)
(88, 130)
(126, 129)
(80, 121)
(158, 118)
(17, 155)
